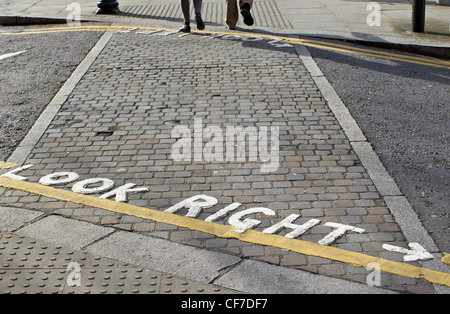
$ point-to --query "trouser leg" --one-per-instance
(232, 13)
(198, 6)
(185, 9)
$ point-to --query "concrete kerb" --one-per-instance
(28, 20)
(425, 50)
(9, 18)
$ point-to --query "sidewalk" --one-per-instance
(341, 19)
(109, 131)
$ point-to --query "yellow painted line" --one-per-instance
(421, 61)
(343, 48)
(7, 165)
(446, 259)
(224, 231)
(295, 41)
(389, 54)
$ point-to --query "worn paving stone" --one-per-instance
(118, 124)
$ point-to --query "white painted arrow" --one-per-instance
(9, 55)
(416, 253)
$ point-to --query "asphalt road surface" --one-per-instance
(29, 81)
(404, 111)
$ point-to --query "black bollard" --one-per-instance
(107, 7)
(418, 16)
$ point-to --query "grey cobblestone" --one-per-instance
(117, 124)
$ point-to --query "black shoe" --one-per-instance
(245, 12)
(186, 28)
(200, 24)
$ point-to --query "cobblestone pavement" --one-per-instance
(118, 124)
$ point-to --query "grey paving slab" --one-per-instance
(64, 231)
(258, 277)
(12, 218)
(162, 255)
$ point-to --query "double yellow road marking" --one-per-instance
(377, 54)
(294, 41)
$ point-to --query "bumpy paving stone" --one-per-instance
(30, 266)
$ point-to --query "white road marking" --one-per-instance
(416, 253)
(9, 55)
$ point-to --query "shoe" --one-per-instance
(186, 28)
(200, 24)
(245, 12)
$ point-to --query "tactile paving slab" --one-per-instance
(29, 266)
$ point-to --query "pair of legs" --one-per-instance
(233, 12)
(185, 8)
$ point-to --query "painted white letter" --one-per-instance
(248, 223)
(12, 174)
(58, 178)
(340, 231)
(223, 212)
(121, 192)
(81, 187)
(194, 205)
(287, 223)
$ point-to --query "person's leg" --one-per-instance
(198, 6)
(245, 6)
(185, 8)
(232, 13)
(198, 15)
